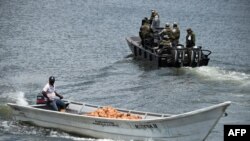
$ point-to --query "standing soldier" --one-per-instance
(176, 34)
(152, 16)
(145, 32)
(154, 20)
(190, 38)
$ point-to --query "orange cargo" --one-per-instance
(109, 112)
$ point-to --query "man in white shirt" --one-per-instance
(49, 91)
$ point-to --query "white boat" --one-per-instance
(190, 126)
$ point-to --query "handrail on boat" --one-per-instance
(145, 114)
(83, 105)
(77, 103)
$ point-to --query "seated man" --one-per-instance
(50, 93)
(167, 31)
(165, 45)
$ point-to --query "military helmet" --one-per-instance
(51, 79)
(167, 25)
(174, 24)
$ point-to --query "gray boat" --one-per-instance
(178, 56)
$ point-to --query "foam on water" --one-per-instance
(67, 136)
(21, 100)
(216, 73)
(18, 97)
(4, 126)
(63, 135)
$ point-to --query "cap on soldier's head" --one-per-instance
(189, 29)
(167, 25)
(152, 10)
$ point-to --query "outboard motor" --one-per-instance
(204, 57)
(40, 99)
(195, 56)
(178, 55)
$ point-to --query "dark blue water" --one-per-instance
(82, 43)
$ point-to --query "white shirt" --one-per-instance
(50, 90)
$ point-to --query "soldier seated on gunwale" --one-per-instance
(164, 46)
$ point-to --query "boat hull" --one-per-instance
(178, 57)
(191, 126)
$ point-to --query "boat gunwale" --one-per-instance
(138, 46)
(134, 43)
(172, 117)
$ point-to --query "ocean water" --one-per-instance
(82, 43)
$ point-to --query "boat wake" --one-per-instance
(216, 73)
(21, 100)
(17, 97)
(16, 128)
(63, 135)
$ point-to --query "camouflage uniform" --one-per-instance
(168, 31)
(190, 38)
(165, 43)
(144, 21)
(145, 32)
(164, 46)
(176, 35)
